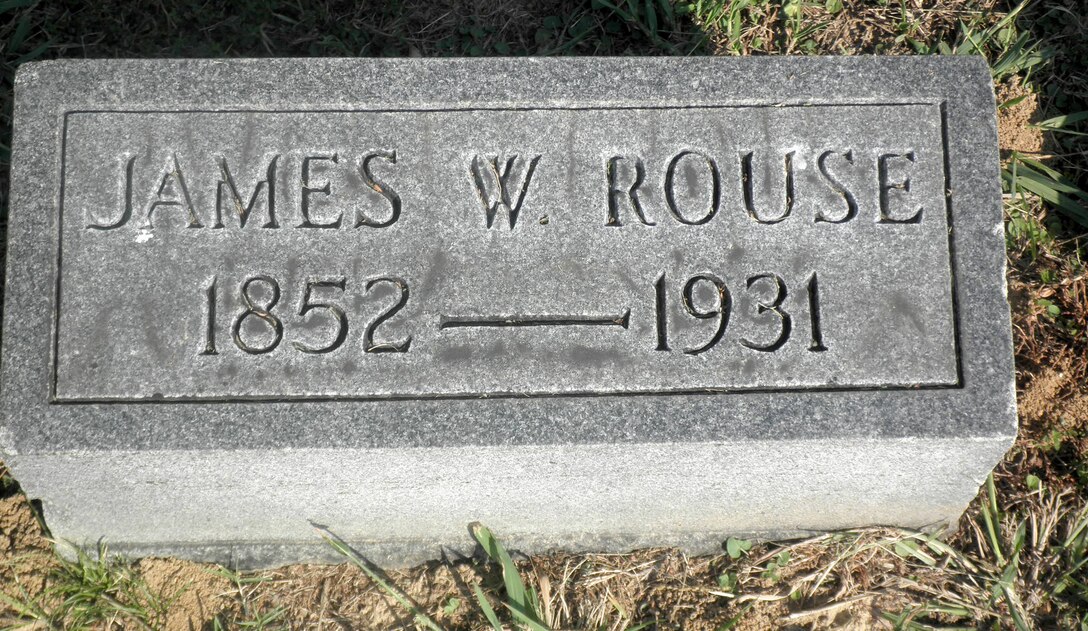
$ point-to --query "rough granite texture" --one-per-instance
(592, 303)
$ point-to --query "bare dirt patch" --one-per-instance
(195, 594)
(26, 556)
(1015, 118)
(342, 596)
(1056, 392)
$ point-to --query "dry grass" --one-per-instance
(895, 28)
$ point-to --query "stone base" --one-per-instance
(251, 509)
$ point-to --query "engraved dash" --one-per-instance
(503, 321)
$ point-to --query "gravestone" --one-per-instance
(591, 303)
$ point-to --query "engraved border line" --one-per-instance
(956, 340)
(941, 105)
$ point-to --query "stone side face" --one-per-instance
(593, 303)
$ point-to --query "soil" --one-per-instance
(26, 557)
(1014, 130)
(194, 593)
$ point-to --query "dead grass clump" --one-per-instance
(615, 591)
(342, 596)
(898, 27)
(1023, 562)
(744, 28)
(600, 591)
(1031, 550)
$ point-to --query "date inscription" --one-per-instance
(261, 308)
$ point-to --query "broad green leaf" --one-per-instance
(10, 5)
(737, 547)
(515, 590)
(651, 17)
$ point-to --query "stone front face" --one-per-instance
(354, 289)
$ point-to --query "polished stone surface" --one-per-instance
(594, 303)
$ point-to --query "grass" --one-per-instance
(89, 590)
(1020, 558)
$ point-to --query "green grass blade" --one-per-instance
(515, 589)
(651, 17)
(22, 29)
(1027, 174)
(34, 54)
(732, 623)
(340, 546)
(485, 606)
(1065, 184)
(26, 610)
(527, 617)
(1068, 205)
(1058, 123)
(11, 5)
(990, 516)
(1014, 609)
(615, 9)
(668, 13)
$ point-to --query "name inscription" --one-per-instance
(488, 252)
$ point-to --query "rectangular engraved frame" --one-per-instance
(938, 110)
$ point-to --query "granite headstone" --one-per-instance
(592, 303)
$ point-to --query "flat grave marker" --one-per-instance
(592, 303)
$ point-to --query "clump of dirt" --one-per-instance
(26, 555)
(1053, 408)
(1057, 392)
(1014, 120)
(195, 594)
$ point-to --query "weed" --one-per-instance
(736, 548)
(1007, 52)
(1024, 229)
(90, 590)
(1022, 174)
(1027, 565)
(738, 23)
(652, 18)
(523, 603)
(1015, 52)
